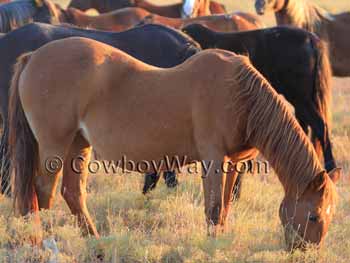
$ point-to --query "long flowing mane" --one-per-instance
(273, 130)
(307, 15)
(18, 13)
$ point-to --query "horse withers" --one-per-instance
(234, 119)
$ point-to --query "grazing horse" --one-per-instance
(127, 18)
(18, 13)
(173, 10)
(150, 43)
(295, 62)
(233, 119)
(332, 28)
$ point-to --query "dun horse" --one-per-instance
(277, 53)
(127, 18)
(332, 28)
(18, 13)
(240, 116)
(150, 43)
(174, 10)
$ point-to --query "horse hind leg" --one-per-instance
(75, 172)
(50, 167)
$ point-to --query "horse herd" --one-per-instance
(160, 85)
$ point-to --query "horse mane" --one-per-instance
(18, 13)
(15, 14)
(271, 126)
(307, 15)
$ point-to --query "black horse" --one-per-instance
(18, 13)
(154, 44)
(295, 62)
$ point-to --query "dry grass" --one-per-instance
(168, 225)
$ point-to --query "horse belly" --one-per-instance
(145, 131)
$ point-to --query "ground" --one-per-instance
(169, 226)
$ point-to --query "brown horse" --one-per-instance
(127, 18)
(173, 10)
(111, 98)
(334, 29)
(117, 21)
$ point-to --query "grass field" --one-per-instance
(169, 225)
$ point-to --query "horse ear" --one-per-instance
(335, 175)
(318, 182)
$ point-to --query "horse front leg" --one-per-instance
(231, 177)
(213, 186)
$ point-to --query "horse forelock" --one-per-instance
(307, 15)
(272, 128)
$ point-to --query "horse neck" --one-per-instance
(300, 13)
(273, 130)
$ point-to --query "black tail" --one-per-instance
(322, 100)
(323, 79)
(5, 179)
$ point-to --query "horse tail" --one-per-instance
(5, 178)
(322, 80)
(23, 147)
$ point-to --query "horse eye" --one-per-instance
(313, 218)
